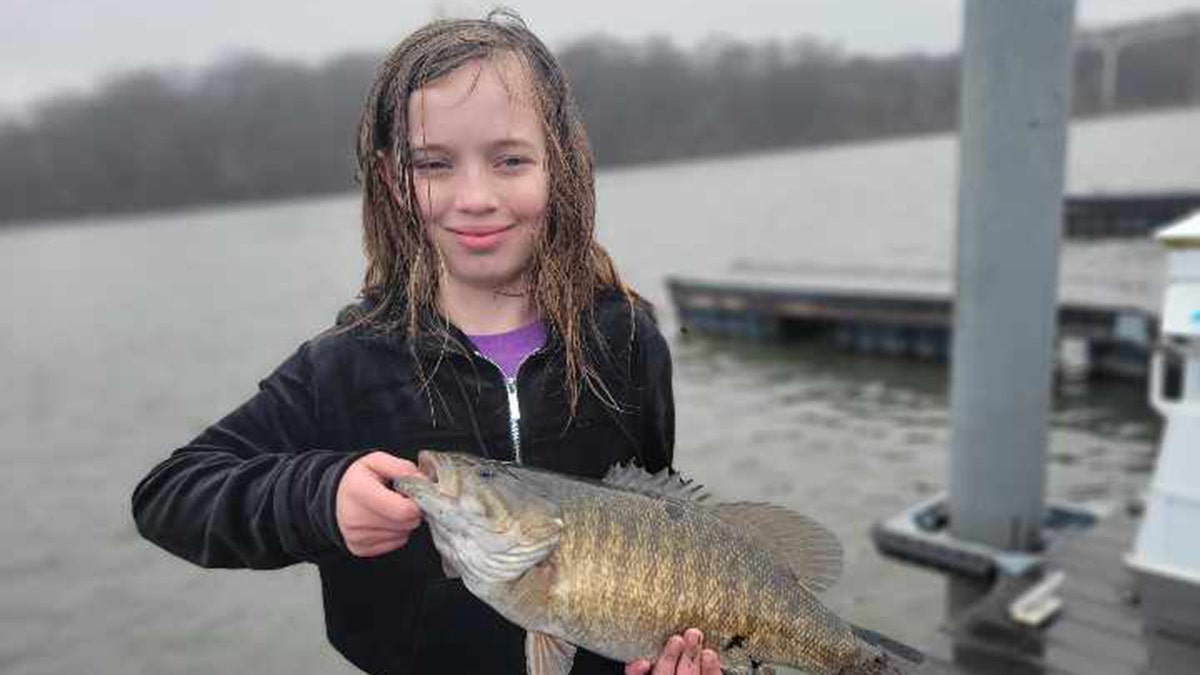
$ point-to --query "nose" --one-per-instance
(475, 191)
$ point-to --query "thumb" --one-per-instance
(387, 466)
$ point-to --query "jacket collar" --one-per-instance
(609, 307)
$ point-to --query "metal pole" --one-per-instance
(1195, 52)
(1110, 65)
(1015, 95)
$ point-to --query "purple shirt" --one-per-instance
(508, 350)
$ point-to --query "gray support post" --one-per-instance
(1015, 96)
(1195, 52)
(1110, 68)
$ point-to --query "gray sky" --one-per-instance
(51, 45)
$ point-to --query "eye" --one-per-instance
(513, 162)
(486, 472)
(431, 165)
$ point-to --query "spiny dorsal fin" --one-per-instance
(661, 484)
(807, 547)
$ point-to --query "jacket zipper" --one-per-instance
(514, 416)
(514, 402)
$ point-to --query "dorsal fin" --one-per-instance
(661, 484)
(807, 547)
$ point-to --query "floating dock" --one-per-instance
(1097, 629)
(1134, 215)
(1093, 338)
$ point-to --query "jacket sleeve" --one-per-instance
(657, 397)
(250, 491)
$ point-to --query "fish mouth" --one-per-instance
(427, 465)
(439, 471)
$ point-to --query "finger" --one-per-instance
(360, 539)
(687, 665)
(391, 506)
(669, 659)
(368, 540)
(377, 531)
(373, 551)
(362, 484)
(388, 466)
(689, 661)
(377, 548)
(639, 667)
(363, 533)
(358, 522)
(709, 663)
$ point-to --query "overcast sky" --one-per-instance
(51, 45)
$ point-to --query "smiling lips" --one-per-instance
(480, 238)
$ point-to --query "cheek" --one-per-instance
(428, 199)
(534, 200)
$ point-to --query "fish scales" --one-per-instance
(634, 570)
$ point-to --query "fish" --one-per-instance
(619, 565)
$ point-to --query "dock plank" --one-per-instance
(1096, 643)
(1172, 656)
(1113, 617)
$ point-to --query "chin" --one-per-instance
(489, 279)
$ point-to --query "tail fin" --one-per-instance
(890, 647)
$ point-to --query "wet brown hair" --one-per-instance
(568, 267)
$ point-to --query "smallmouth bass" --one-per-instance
(618, 566)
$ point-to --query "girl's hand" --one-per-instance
(681, 656)
(373, 518)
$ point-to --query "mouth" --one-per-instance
(478, 232)
(439, 472)
(481, 238)
(428, 466)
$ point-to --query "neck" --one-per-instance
(479, 311)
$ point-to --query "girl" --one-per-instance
(492, 322)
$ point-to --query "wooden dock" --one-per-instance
(913, 323)
(1099, 631)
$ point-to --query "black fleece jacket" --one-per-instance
(257, 489)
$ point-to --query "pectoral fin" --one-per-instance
(548, 655)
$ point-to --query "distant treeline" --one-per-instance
(259, 128)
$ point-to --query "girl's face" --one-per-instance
(478, 161)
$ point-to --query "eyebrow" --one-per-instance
(430, 148)
(515, 143)
(504, 144)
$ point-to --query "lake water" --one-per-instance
(123, 338)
